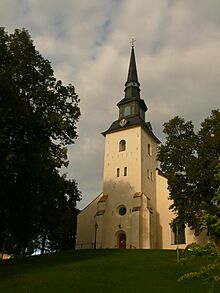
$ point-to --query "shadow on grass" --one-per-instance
(23, 264)
(98, 271)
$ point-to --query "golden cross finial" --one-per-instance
(132, 41)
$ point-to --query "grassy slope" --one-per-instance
(97, 271)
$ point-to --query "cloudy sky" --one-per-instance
(87, 42)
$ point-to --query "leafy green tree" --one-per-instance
(208, 273)
(208, 172)
(189, 161)
(212, 217)
(38, 117)
(58, 223)
(177, 156)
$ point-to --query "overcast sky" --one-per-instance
(87, 41)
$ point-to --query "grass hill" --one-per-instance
(98, 271)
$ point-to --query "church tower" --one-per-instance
(126, 212)
(133, 209)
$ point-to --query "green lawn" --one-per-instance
(99, 271)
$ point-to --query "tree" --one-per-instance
(207, 170)
(212, 217)
(38, 117)
(208, 274)
(189, 161)
(58, 224)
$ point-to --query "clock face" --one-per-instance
(123, 122)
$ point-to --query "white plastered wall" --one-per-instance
(86, 222)
(121, 190)
(146, 198)
(148, 188)
(165, 216)
(139, 223)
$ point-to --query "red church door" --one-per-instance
(122, 241)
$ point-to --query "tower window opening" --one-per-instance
(142, 114)
(133, 109)
(148, 173)
(151, 176)
(127, 110)
(118, 172)
(149, 149)
(125, 171)
(122, 145)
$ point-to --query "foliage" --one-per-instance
(38, 116)
(194, 249)
(212, 218)
(190, 162)
(209, 273)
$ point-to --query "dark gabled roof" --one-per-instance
(132, 122)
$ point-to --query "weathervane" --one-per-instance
(132, 41)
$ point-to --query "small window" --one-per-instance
(122, 145)
(125, 171)
(178, 234)
(133, 109)
(118, 172)
(122, 210)
(148, 173)
(149, 150)
(151, 176)
(127, 110)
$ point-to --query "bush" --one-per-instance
(195, 249)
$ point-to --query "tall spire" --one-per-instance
(132, 108)
(132, 85)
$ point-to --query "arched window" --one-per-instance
(122, 145)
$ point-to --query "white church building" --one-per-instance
(133, 209)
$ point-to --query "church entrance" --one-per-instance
(122, 241)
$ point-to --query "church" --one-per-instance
(133, 209)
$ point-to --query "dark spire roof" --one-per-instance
(132, 90)
(132, 71)
(132, 97)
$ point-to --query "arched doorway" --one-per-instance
(121, 240)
